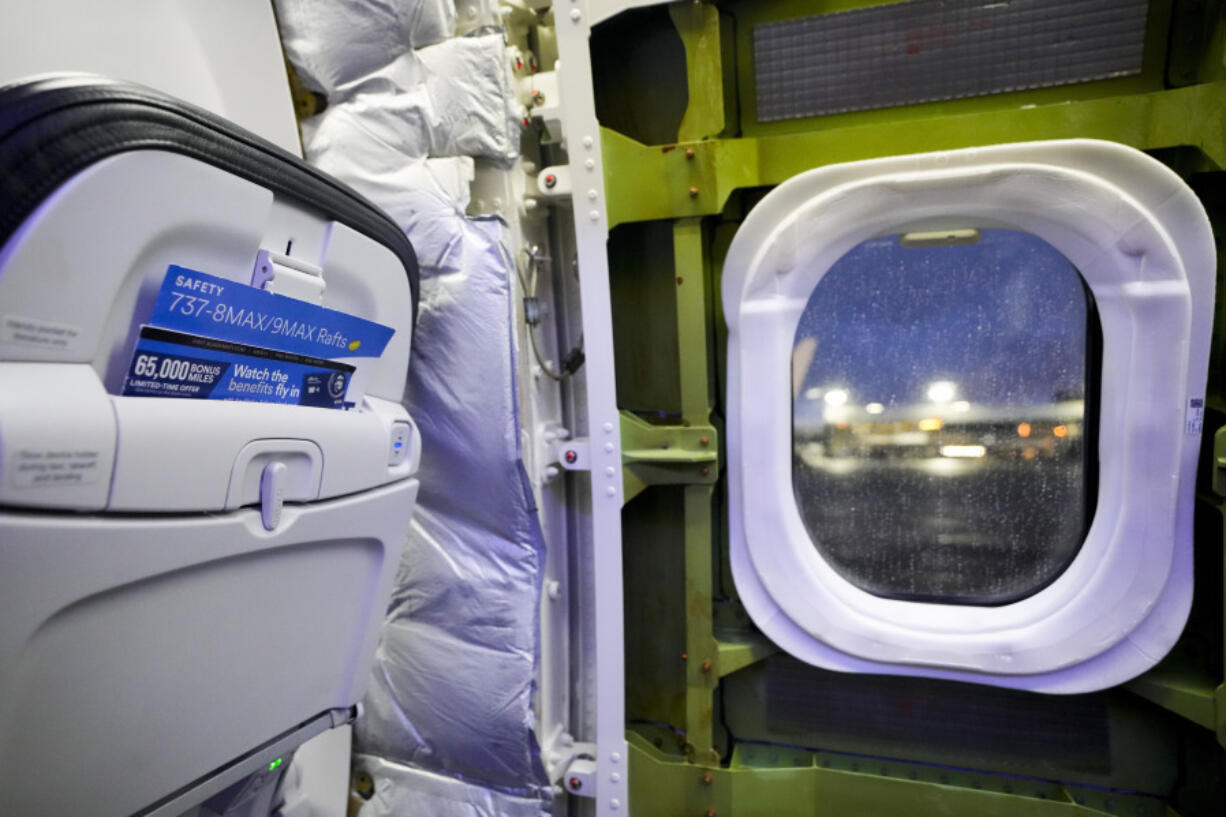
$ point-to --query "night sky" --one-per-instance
(1004, 319)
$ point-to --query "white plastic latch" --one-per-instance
(288, 276)
(272, 494)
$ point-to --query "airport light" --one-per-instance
(961, 406)
(836, 397)
(874, 408)
(942, 391)
(813, 394)
(964, 451)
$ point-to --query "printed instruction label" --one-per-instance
(39, 469)
(1194, 420)
(203, 304)
(33, 333)
(177, 364)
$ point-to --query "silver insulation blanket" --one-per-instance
(454, 675)
(407, 792)
(448, 719)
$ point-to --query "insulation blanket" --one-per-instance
(453, 99)
(405, 792)
(335, 42)
(452, 689)
(393, 61)
(454, 675)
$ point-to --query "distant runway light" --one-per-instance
(836, 397)
(974, 451)
(874, 408)
(942, 391)
(813, 394)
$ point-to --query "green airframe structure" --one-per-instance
(720, 721)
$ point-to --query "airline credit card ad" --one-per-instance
(175, 364)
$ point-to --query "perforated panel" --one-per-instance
(928, 50)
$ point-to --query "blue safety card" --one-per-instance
(167, 363)
(203, 304)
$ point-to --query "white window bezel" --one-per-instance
(1141, 240)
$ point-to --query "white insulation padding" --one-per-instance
(393, 68)
(357, 142)
(335, 42)
(452, 99)
(448, 719)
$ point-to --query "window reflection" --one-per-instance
(939, 422)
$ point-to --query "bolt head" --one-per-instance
(571, 456)
(707, 778)
(693, 192)
(706, 666)
(551, 181)
(689, 153)
(575, 784)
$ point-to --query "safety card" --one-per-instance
(211, 338)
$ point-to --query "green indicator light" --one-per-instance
(274, 764)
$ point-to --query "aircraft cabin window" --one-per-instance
(963, 412)
(940, 446)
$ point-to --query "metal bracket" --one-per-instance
(572, 454)
(561, 752)
(581, 777)
(554, 182)
(666, 455)
(541, 93)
